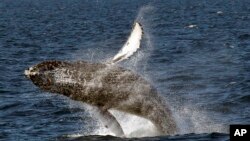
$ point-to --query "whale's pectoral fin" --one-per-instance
(131, 45)
(110, 122)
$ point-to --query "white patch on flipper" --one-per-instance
(131, 46)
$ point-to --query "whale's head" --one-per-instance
(43, 74)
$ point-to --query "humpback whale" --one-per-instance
(107, 86)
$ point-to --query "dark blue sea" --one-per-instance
(195, 52)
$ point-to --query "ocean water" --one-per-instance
(196, 53)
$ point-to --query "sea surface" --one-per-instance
(195, 52)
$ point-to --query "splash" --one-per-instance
(193, 120)
(133, 126)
